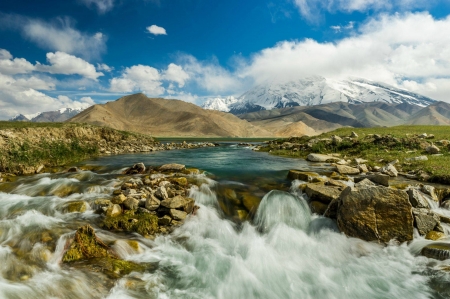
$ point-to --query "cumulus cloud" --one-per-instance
(104, 67)
(175, 73)
(5, 54)
(59, 34)
(389, 48)
(312, 10)
(138, 78)
(63, 63)
(156, 30)
(102, 6)
(11, 66)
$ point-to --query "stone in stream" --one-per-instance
(437, 250)
(376, 214)
(114, 210)
(430, 190)
(434, 235)
(366, 183)
(152, 203)
(161, 193)
(75, 207)
(306, 176)
(137, 168)
(322, 193)
(177, 214)
(131, 203)
(318, 207)
(321, 158)
(380, 179)
(119, 199)
(417, 199)
(363, 168)
(172, 167)
(389, 169)
(176, 202)
(342, 169)
(425, 220)
(85, 245)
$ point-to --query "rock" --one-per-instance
(172, 167)
(73, 169)
(131, 203)
(434, 235)
(425, 220)
(321, 158)
(152, 203)
(380, 179)
(423, 135)
(342, 162)
(376, 168)
(438, 251)
(390, 170)
(342, 169)
(353, 135)
(128, 192)
(177, 214)
(446, 205)
(419, 158)
(335, 183)
(360, 161)
(75, 207)
(165, 220)
(321, 193)
(363, 168)
(417, 199)
(101, 205)
(85, 245)
(189, 205)
(176, 202)
(433, 149)
(376, 214)
(318, 207)
(119, 199)
(161, 193)
(142, 223)
(181, 181)
(250, 201)
(366, 183)
(336, 139)
(114, 210)
(242, 215)
(301, 175)
(430, 190)
(137, 168)
(40, 168)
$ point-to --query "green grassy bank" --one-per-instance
(400, 143)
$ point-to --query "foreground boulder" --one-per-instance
(376, 214)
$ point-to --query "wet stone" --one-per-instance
(177, 214)
(131, 203)
(165, 220)
(176, 202)
(152, 203)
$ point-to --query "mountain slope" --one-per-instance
(435, 114)
(60, 115)
(161, 117)
(315, 91)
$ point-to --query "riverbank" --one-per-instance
(27, 148)
(422, 151)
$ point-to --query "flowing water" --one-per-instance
(283, 252)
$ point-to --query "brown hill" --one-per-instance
(161, 117)
(435, 114)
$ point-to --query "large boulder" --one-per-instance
(342, 169)
(389, 169)
(376, 214)
(321, 158)
(417, 199)
(380, 179)
(425, 220)
(322, 193)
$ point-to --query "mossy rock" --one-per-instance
(181, 181)
(75, 207)
(111, 267)
(434, 235)
(85, 245)
(142, 223)
(250, 201)
(65, 191)
(193, 171)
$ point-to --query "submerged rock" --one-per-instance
(75, 207)
(439, 251)
(376, 214)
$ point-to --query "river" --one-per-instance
(284, 252)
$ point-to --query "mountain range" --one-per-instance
(313, 91)
(60, 115)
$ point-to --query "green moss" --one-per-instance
(85, 245)
(144, 224)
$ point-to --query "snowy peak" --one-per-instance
(59, 115)
(317, 90)
(220, 104)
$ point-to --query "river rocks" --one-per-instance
(137, 168)
(389, 169)
(425, 220)
(152, 203)
(322, 193)
(119, 199)
(438, 251)
(365, 183)
(363, 168)
(417, 199)
(172, 167)
(380, 179)
(376, 214)
(343, 169)
(131, 203)
(161, 193)
(85, 245)
(318, 207)
(101, 205)
(301, 175)
(431, 191)
(177, 214)
(321, 158)
(336, 139)
(75, 207)
(250, 201)
(176, 202)
(434, 235)
(114, 211)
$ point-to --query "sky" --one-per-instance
(76, 53)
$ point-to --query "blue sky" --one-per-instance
(56, 54)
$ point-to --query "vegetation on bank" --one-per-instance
(403, 143)
(26, 146)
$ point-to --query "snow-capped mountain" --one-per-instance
(319, 90)
(220, 104)
(49, 116)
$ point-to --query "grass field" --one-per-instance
(400, 143)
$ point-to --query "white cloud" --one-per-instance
(4, 54)
(156, 30)
(312, 10)
(104, 67)
(390, 48)
(63, 63)
(102, 6)
(184, 96)
(65, 38)
(138, 78)
(176, 74)
(15, 66)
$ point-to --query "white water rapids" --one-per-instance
(285, 252)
